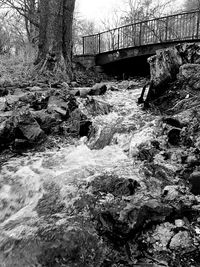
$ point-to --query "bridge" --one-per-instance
(143, 38)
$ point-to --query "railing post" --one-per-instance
(118, 38)
(140, 34)
(198, 21)
(166, 29)
(99, 35)
(83, 40)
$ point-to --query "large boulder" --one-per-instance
(22, 128)
(26, 127)
(47, 121)
(164, 67)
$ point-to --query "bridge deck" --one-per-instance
(168, 29)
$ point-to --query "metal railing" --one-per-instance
(182, 26)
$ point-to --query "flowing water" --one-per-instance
(23, 180)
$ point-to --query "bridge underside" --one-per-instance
(144, 51)
(131, 61)
(129, 67)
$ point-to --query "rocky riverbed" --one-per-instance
(108, 184)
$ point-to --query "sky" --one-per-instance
(99, 10)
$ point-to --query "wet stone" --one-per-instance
(3, 92)
(114, 185)
(182, 240)
(174, 136)
(179, 223)
(98, 89)
(195, 183)
(173, 122)
(162, 236)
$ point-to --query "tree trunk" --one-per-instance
(55, 38)
(67, 34)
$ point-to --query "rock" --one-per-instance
(171, 192)
(36, 89)
(174, 136)
(190, 75)
(65, 86)
(98, 89)
(3, 105)
(133, 85)
(161, 237)
(56, 104)
(47, 121)
(62, 102)
(26, 127)
(179, 223)
(164, 173)
(147, 152)
(189, 72)
(101, 136)
(85, 127)
(192, 160)
(77, 124)
(7, 132)
(163, 69)
(3, 91)
(95, 107)
(114, 185)
(13, 100)
(142, 212)
(84, 92)
(74, 84)
(20, 145)
(22, 128)
(194, 180)
(142, 137)
(173, 122)
(112, 88)
(37, 100)
(5, 115)
(75, 92)
(182, 240)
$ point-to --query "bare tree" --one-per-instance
(81, 27)
(140, 10)
(29, 10)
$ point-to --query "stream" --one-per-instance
(41, 223)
